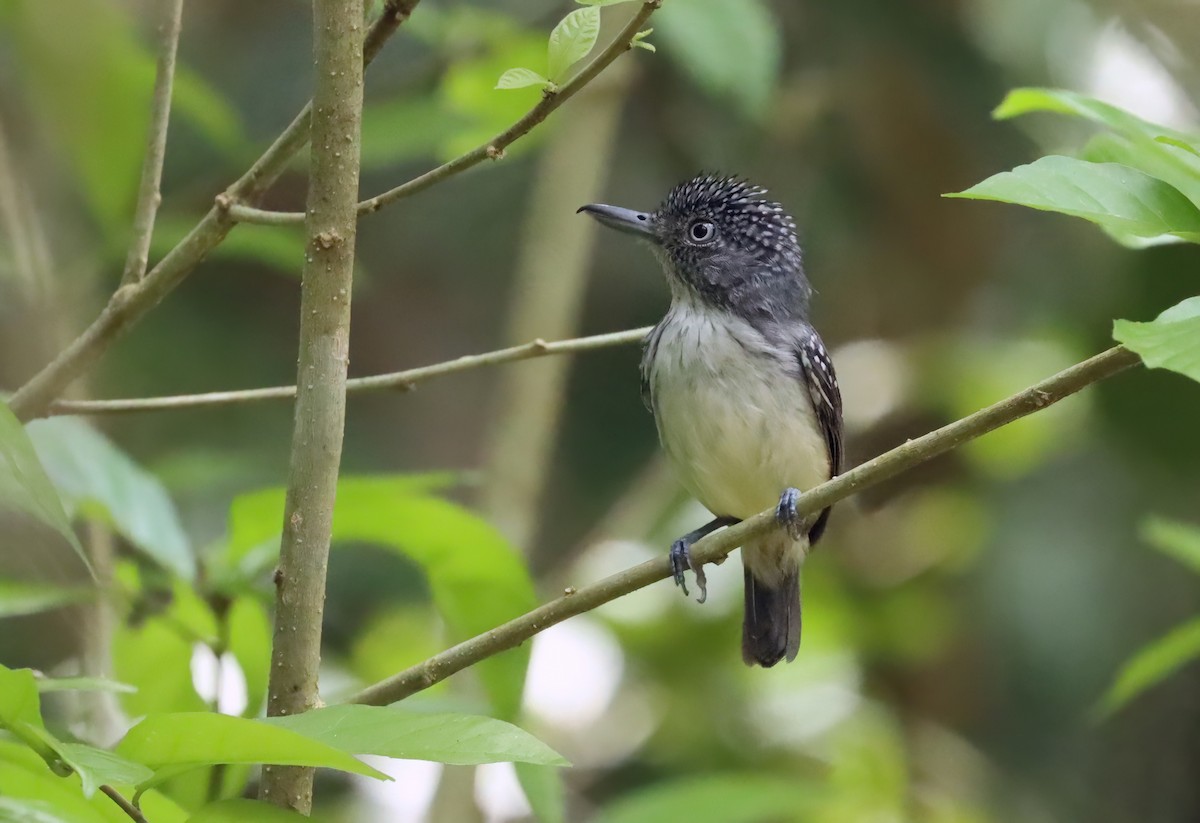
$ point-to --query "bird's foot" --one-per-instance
(681, 561)
(787, 516)
(681, 556)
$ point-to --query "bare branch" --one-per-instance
(149, 196)
(494, 148)
(321, 380)
(392, 381)
(717, 546)
(131, 302)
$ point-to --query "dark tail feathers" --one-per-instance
(771, 625)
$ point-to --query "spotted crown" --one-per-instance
(738, 207)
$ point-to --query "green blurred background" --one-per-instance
(961, 622)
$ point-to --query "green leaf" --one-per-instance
(1027, 100)
(156, 660)
(83, 684)
(24, 486)
(23, 782)
(1109, 147)
(731, 50)
(747, 798)
(19, 701)
(543, 787)
(467, 95)
(571, 41)
(1108, 194)
(1151, 665)
(393, 731)
(1191, 146)
(191, 739)
(92, 473)
(1157, 150)
(95, 767)
(521, 78)
(250, 644)
(19, 598)
(1180, 541)
(239, 810)
(29, 811)
(1171, 341)
(476, 578)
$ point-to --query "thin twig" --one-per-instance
(149, 195)
(717, 546)
(130, 303)
(494, 148)
(133, 811)
(394, 381)
(320, 412)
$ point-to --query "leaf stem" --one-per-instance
(717, 546)
(133, 811)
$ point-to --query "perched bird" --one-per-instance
(742, 389)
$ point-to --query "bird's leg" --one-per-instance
(786, 515)
(681, 558)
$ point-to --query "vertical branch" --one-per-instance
(552, 270)
(149, 196)
(321, 379)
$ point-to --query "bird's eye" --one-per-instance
(702, 231)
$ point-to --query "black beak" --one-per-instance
(638, 223)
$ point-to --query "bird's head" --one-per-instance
(723, 243)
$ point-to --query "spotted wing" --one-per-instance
(821, 381)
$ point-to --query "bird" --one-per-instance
(743, 391)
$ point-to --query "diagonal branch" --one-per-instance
(149, 195)
(717, 546)
(494, 148)
(131, 302)
(393, 381)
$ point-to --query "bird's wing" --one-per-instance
(817, 372)
(816, 369)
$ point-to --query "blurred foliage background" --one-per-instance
(962, 622)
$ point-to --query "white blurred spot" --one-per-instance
(874, 377)
(1124, 72)
(574, 671)
(818, 692)
(228, 688)
(499, 794)
(404, 800)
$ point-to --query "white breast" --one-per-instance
(738, 427)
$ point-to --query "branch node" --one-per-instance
(223, 202)
(495, 152)
(569, 590)
(539, 345)
(328, 239)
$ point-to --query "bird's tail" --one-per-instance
(771, 625)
